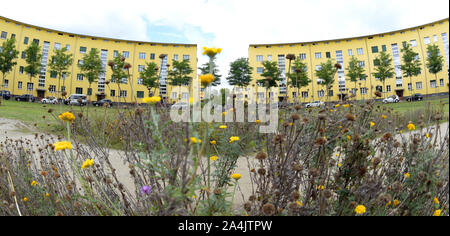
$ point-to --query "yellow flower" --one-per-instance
(337, 154)
(372, 124)
(360, 209)
(213, 158)
(349, 137)
(320, 187)
(25, 199)
(436, 200)
(152, 100)
(67, 117)
(427, 135)
(213, 142)
(299, 204)
(206, 79)
(337, 105)
(339, 164)
(34, 183)
(331, 110)
(47, 195)
(340, 127)
(236, 176)
(63, 145)
(411, 126)
(396, 202)
(437, 212)
(291, 124)
(407, 175)
(258, 121)
(346, 105)
(234, 138)
(222, 127)
(211, 52)
(389, 203)
(195, 140)
(383, 116)
(191, 100)
(224, 113)
(87, 163)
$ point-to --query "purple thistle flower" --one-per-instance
(146, 190)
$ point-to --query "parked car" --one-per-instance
(76, 99)
(415, 97)
(179, 105)
(26, 98)
(102, 103)
(391, 99)
(5, 94)
(49, 100)
(314, 104)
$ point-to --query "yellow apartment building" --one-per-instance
(365, 48)
(137, 53)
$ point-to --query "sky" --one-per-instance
(229, 24)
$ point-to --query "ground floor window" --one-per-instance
(79, 90)
(433, 84)
(140, 94)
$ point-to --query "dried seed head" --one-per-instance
(247, 206)
(269, 209)
(327, 194)
(320, 141)
(262, 171)
(314, 172)
(350, 117)
(295, 196)
(295, 117)
(297, 167)
(297, 107)
(252, 198)
(378, 94)
(261, 156)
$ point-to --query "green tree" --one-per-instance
(118, 67)
(59, 64)
(8, 55)
(434, 61)
(383, 68)
(327, 73)
(150, 77)
(240, 73)
(181, 74)
(205, 70)
(91, 68)
(299, 78)
(271, 75)
(354, 71)
(33, 60)
(411, 63)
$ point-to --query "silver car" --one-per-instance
(391, 99)
(314, 104)
(76, 99)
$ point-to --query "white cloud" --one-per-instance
(235, 23)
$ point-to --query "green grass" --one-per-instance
(435, 102)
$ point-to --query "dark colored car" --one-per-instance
(5, 94)
(415, 97)
(102, 103)
(26, 98)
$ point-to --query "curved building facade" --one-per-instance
(137, 53)
(365, 49)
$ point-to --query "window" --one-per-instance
(21, 69)
(123, 93)
(83, 49)
(116, 53)
(140, 81)
(57, 46)
(413, 43)
(374, 49)
(426, 40)
(152, 56)
(185, 57)
(52, 88)
(363, 91)
(140, 94)
(79, 90)
(126, 54)
(24, 55)
(30, 86)
(418, 85)
(19, 85)
(67, 47)
(89, 91)
(13, 36)
(259, 70)
(359, 51)
(4, 35)
(269, 57)
(112, 93)
(80, 77)
(328, 54)
(376, 62)
(302, 56)
(174, 95)
(441, 82)
(80, 62)
(350, 52)
(320, 93)
(383, 48)
(53, 74)
(318, 67)
(409, 86)
(259, 58)
(330, 93)
(175, 57)
(379, 88)
(25, 40)
(304, 94)
(63, 88)
(361, 64)
(353, 91)
(36, 41)
(388, 88)
(141, 68)
(318, 55)
(6, 83)
(435, 38)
